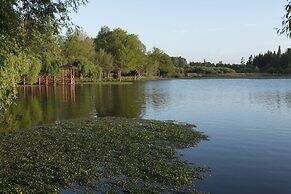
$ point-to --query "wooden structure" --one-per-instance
(68, 74)
(47, 80)
(67, 77)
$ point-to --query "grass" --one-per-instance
(101, 155)
(243, 76)
(90, 81)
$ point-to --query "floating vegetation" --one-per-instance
(101, 155)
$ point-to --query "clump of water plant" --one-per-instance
(100, 155)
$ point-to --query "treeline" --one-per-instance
(269, 62)
(115, 54)
(111, 55)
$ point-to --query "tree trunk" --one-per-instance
(119, 75)
(137, 75)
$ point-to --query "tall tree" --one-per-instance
(79, 50)
(165, 64)
(105, 60)
(127, 49)
(279, 52)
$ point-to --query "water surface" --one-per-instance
(248, 122)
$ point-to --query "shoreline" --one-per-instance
(128, 81)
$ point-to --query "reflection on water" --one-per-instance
(48, 104)
(272, 99)
(248, 122)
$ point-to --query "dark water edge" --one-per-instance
(247, 120)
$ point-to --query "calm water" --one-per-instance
(248, 121)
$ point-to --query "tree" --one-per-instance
(279, 53)
(79, 50)
(165, 65)
(106, 61)
(242, 62)
(179, 62)
(134, 55)
(73, 47)
(250, 61)
(127, 49)
(38, 15)
(152, 65)
(286, 23)
(23, 25)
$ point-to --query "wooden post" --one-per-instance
(71, 76)
(74, 76)
(55, 81)
(46, 80)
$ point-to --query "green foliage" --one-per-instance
(41, 15)
(209, 70)
(286, 23)
(164, 62)
(79, 50)
(34, 69)
(73, 47)
(152, 66)
(179, 62)
(29, 24)
(24, 65)
(272, 62)
(105, 60)
(127, 49)
(103, 155)
(7, 88)
(84, 65)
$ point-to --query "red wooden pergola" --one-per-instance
(68, 74)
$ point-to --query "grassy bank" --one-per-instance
(239, 76)
(104, 155)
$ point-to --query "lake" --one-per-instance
(248, 122)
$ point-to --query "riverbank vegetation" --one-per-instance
(101, 155)
(31, 45)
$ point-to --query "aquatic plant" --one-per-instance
(104, 155)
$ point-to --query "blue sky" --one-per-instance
(215, 30)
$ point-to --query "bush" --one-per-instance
(7, 88)
(209, 70)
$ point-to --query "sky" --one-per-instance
(214, 30)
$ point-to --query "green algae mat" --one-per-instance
(103, 155)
